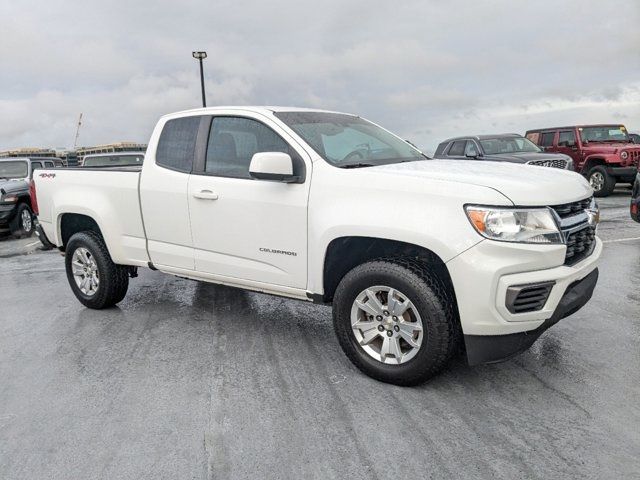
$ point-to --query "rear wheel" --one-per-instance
(22, 224)
(95, 280)
(395, 321)
(601, 182)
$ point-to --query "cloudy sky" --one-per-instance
(424, 69)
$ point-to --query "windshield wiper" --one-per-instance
(357, 165)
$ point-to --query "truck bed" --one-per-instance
(107, 194)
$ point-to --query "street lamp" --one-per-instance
(201, 56)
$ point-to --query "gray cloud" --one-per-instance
(425, 69)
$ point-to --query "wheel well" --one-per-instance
(72, 223)
(345, 253)
(24, 199)
(592, 162)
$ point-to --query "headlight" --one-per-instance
(534, 225)
(593, 212)
(570, 164)
(624, 155)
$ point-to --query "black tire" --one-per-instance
(114, 279)
(433, 301)
(17, 226)
(604, 183)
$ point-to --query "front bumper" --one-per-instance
(634, 207)
(622, 171)
(482, 277)
(496, 348)
(7, 212)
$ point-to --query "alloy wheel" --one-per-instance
(85, 271)
(596, 181)
(387, 325)
(26, 220)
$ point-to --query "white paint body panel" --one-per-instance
(272, 237)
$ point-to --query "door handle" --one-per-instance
(206, 195)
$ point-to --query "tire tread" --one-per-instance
(444, 318)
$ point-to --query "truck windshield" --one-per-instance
(493, 146)
(604, 133)
(348, 141)
(17, 169)
(113, 160)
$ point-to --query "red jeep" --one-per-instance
(604, 154)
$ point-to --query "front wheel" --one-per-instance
(95, 280)
(395, 320)
(601, 182)
(22, 224)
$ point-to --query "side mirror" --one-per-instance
(471, 155)
(275, 166)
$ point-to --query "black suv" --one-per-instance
(16, 211)
(508, 147)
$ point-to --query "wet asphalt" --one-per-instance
(189, 380)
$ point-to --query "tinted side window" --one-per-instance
(234, 140)
(534, 137)
(36, 165)
(567, 138)
(177, 143)
(48, 164)
(457, 149)
(471, 150)
(440, 149)
(546, 139)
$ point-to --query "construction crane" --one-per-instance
(75, 142)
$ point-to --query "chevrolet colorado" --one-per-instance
(418, 257)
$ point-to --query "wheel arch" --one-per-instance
(344, 253)
(591, 162)
(70, 223)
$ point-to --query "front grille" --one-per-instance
(528, 298)
(634, 157)
(567, 209)
(558, 163)
(580, 244)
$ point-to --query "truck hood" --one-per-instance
(524, 185)
(11, 186)
(524, 157)
(597, 147)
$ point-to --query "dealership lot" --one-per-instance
(190, 380)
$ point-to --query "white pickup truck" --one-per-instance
(419, 257)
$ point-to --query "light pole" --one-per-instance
(201, 56)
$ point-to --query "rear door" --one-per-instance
(163, 192)
(242, 227)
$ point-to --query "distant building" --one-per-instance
(31, 152)
(111, 148)
(70, 157)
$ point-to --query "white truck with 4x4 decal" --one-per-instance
(419, 257)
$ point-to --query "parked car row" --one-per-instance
(16, 174)
(511, 148)
(16, 208)
(604, 154)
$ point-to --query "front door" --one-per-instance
(242, 227)
(568, 145)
